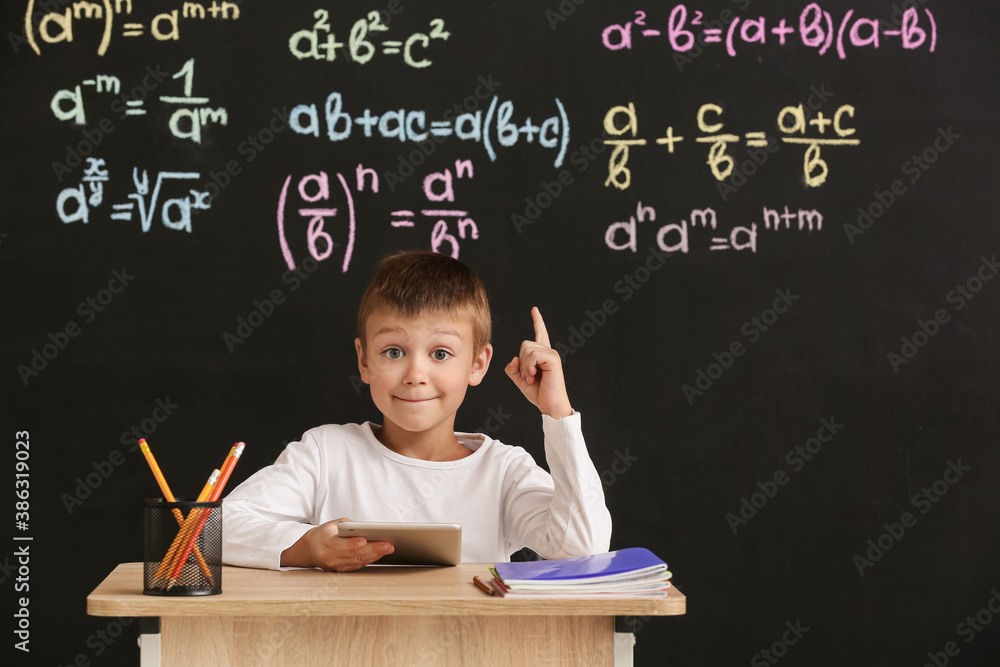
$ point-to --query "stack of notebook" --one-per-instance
(635, 572)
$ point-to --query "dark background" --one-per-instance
(690, 463)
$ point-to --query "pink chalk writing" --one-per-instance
(329, 229)
(817, 29)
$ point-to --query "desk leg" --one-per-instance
(442, 641)
(624, 643)
(149, 641)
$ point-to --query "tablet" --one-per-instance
(415, 543)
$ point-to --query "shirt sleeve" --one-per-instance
(563, 514)
(272, 509)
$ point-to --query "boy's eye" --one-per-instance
(440, 355)
(393, 353)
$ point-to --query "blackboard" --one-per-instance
(781, 334)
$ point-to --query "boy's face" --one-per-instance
(420, 368)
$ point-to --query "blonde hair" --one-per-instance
(416, 282)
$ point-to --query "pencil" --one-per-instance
(227, 470)
(169, 497)
(144, 446)
(189, 523)
(483, 585)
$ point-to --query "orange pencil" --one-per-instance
(169, 497)
(227, 469)
(189, 523)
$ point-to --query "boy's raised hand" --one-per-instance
(537, 372)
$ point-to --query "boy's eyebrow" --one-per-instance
(449, 332)
(388, 330)
(441, 330)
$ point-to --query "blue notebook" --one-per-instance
(624, 567)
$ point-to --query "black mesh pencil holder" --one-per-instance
(182, 548)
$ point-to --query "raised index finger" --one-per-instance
(541, 333)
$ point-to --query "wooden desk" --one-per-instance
(377, 616)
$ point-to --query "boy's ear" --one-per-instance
(480, 365)
(362, 361)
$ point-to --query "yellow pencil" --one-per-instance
(189, 524)
(169, 497)
(144, 446)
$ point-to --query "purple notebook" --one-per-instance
(625, 564)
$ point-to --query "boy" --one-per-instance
(423, 339)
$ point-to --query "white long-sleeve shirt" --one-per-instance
(503, 500)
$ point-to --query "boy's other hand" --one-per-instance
(323, 547)
(538, 373)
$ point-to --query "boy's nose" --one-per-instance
(415, 374)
